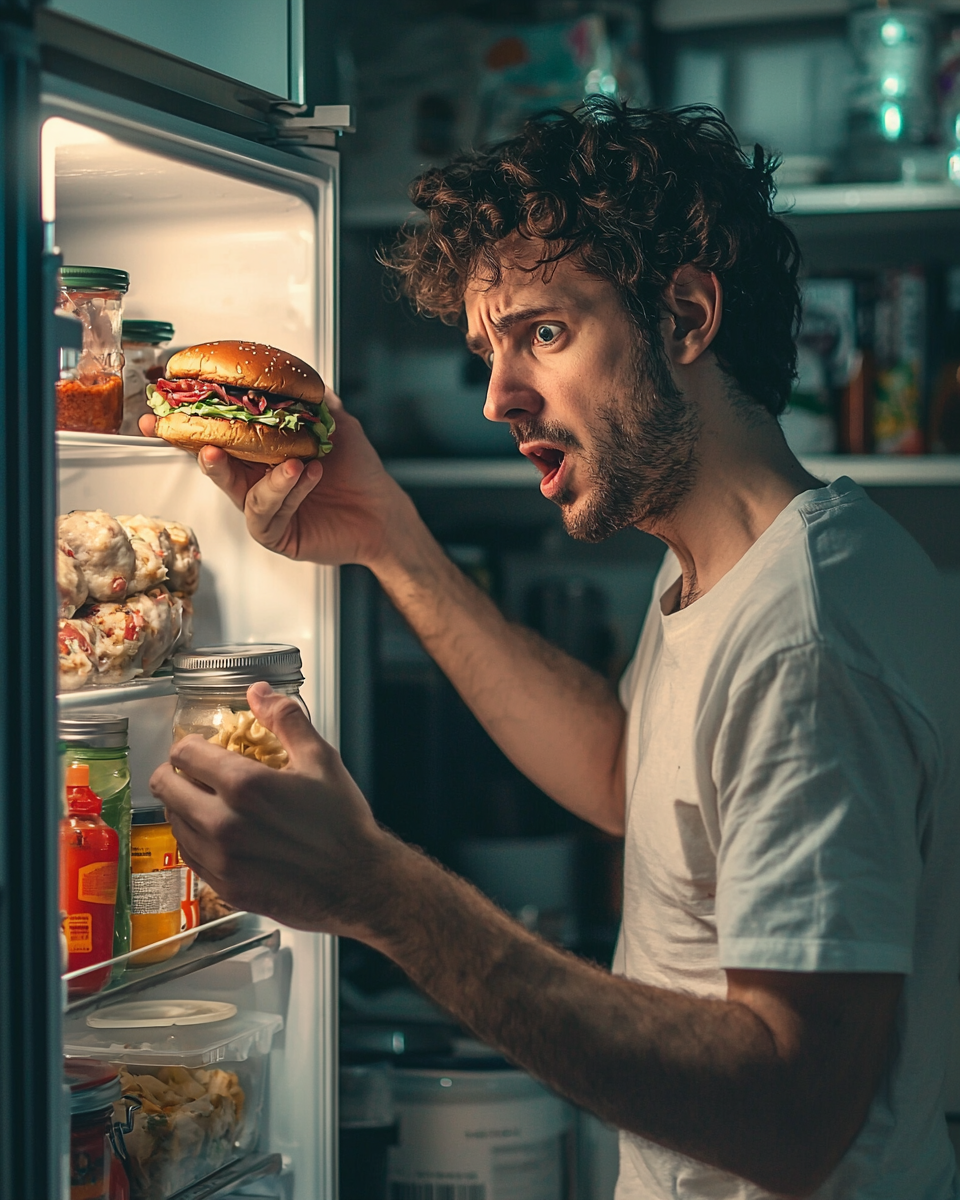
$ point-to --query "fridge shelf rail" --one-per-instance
(244, 1170)
(194, 958)
(136, 689)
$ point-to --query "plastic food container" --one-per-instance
(479, 1122)
(200, 1085)
(143, 349)
(212, 701)
(90, 389)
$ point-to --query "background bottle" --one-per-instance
(154, 886)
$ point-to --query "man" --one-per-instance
(783, 756)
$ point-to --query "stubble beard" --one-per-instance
(643, 461)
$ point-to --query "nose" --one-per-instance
(510, 395)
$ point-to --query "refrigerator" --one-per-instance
(221, 203)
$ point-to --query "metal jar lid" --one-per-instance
(228, 667)
(106, 731)
(154, 333)
(108, 279)
(148, 814)
(94, 1085)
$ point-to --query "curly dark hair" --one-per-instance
(635, 193)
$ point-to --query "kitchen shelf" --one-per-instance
(828, 199)
(194, 958)
(81, 448)
(136, 689)
(869, 470)
(244, 1170)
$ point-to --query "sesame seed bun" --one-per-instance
(242, 439)
(248, 364)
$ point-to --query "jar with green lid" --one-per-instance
(100, 741)
(212, 684)
(144, 343)
(90, 388)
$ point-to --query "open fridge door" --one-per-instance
(226, 240)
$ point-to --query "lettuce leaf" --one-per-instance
(215, 407)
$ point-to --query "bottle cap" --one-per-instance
(78, 775)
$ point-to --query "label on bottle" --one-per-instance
(97, 883)
(154, 892)
(78, 930)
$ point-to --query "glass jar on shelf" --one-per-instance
(90, 389)
(212, 684)
(144, 345)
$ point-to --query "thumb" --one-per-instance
(282, 715)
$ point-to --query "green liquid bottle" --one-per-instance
(100, 741)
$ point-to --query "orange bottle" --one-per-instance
(189, 901)
(89, 858)
(154, 886)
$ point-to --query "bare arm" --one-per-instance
(771, 1084)
(559, 722)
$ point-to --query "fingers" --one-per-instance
(306, 749)
(148, 425)
(212, 767)
(271, 503)
(232, 476)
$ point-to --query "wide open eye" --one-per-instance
(548, 333)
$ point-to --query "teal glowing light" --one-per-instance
(892, 32)
(891, 121)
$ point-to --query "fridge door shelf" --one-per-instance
(136, 689)
(244, 1170)
(87, 448)
(194, 958)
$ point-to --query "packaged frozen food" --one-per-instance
(185, 570)
(154, 532)
(103, 551)
(162, 620)
(71, 584)
(78, 644)
(120, 645)
(185, 641)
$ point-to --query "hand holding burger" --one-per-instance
(251, 400)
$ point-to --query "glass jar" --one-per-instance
(155, 884)
(100, 741)
(90, 389)
(94, 1088)
(212, 700)
(143, 348)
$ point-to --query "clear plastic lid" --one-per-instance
(246, 1035)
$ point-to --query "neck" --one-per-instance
(746, 476)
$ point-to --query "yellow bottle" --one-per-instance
(155, 885)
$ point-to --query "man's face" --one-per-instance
(614, 440)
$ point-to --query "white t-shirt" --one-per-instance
(793, 804)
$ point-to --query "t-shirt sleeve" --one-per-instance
(819, 782)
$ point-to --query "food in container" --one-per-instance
(100, 741)
(154, 532)
(71, 584)
(102, 550)
(154, 886)
(96, 1173)
(185, 571)
(162, 616)
(90, 391)
(201, 1085)
(120, 646)
(143, 349)
(78, 644)
(89, 858)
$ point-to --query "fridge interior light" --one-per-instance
(58, 132)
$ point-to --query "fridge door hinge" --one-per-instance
(296, 125)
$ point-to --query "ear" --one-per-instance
(693, 303)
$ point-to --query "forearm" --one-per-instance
(704, 1077)
(558, 721)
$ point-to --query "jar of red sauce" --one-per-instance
(95, 1172)
(90, 387)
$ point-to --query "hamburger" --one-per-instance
(254, 401)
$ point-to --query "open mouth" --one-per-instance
(549, 461)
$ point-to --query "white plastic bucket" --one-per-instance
(488, 1134)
